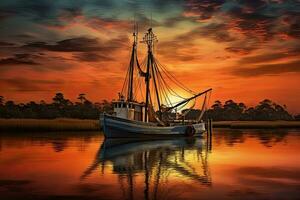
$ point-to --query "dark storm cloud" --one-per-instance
(217, 32)
(4, 14)
(267, 57)
(59, 14)
(267, 69)
(92, 57)
(80, 44)
(30, 85)
(257, 19)
(293, 26)
(26, 36)
(4, 44)
(203, 9)
(40, 62)
(242, 48)
(18, 59)
(37, 55)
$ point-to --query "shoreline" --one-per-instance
(64, 124)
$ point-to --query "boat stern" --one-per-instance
(199, 127)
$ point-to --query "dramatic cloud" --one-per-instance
(92, 57)
(4, 44)
(18, 59)
(91, 40)
(202, 9)
(30, 85)
(267, 57)
(80, 44)
(267, 69)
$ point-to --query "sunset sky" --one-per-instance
(246, 50)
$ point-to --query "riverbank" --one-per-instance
(93, 125)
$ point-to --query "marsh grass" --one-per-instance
(60, 124)
(64, 124)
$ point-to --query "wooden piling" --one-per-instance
(210, 133)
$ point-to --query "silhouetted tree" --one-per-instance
(1, 100)
(81, 97)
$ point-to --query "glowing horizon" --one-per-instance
(246, 51)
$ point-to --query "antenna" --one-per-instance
(151, 20)
(150, 39)
(135, 32)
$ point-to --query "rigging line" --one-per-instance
(136, 82)
(154, 83)
(209, 95)
(170, 90)
(141, 90)
(125, 84)
(139, 86)
(203, 109)
(176, 83)
(165, 92)
(138, 65)
(163, 84)
(162, 91)
(170, 76)
(175, 79)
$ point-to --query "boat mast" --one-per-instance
(149, 39)
(131, 65)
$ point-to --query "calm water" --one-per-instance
(248, 164)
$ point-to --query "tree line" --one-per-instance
(233, 111)
(60, 107)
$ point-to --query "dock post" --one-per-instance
(210, 133)
(207, 128)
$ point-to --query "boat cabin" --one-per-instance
(129, 110)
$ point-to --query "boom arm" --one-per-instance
(189, 99)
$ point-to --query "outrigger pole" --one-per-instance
(187, 100)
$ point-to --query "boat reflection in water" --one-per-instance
(153, 163)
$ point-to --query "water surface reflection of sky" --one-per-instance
(248, 164)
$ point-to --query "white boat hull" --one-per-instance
(115, 127)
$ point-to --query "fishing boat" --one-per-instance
(149, 104)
